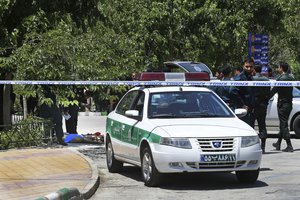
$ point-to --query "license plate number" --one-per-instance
(218, 158)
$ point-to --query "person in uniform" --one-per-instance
(236, 72)
(284, 107)
(224, 91)
(261, 100)
(53, 113)
(242, 96)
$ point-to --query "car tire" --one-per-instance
(247, 176)
(150, 175)
(296, 126)
(113, 165)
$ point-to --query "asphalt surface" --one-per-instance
(35, 172)
(279, 179)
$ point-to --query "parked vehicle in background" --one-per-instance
(188, 66)
(272, 120)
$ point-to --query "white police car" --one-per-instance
(178, 129)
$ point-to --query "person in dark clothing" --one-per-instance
(71, 118)
(261, 100)
(284, 107)
(242, 97)
(237, 71)
(53, 113)
(224, 91)
(71, 112)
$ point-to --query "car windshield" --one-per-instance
(195, 67)
(186, 104)
(296, 93)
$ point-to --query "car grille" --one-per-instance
(206, 144)
(215, 165)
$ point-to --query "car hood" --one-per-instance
(208, 127)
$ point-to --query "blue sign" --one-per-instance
(258, 49)
(258, 38)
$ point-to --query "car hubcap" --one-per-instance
(109, 154)
(147, 166)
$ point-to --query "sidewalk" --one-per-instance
(33, 173)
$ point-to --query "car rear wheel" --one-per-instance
(296, 126)
(247, 176)
(113, 165)
(151, 176)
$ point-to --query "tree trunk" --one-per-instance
(6, 102)
(1, 106)
(25, 108)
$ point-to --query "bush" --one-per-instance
(29, 132)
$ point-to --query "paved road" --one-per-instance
(279, 179)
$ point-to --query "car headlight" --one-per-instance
(176, 142)
(248, 141)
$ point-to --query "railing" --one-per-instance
(25, 133)
(16, 118)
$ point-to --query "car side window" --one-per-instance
(296, 93)
(139, 103)
(126, 102)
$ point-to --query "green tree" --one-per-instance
(110, 39)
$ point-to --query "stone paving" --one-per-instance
(32, 173)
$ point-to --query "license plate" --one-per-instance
(217, 158)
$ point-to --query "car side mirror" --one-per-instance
(240, 112)
(133, 114)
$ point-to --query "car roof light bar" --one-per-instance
(187, 76)
(197, 76)
(152, 76)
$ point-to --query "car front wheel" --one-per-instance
(247, 176)
(151, 176)
(113, 165)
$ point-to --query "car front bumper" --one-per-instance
(169, 159)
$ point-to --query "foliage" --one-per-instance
(28, 132)
(110, 39)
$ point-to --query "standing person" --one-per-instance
(224, 91)
(71, 112)
(218, 73)
(53, 112)
(236, 72)
(284, 107)
(243, 96)
(261, 100)
(71, 118)
(270, 73)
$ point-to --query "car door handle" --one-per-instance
(123, 127)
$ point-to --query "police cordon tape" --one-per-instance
(159, 83)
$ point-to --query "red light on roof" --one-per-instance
(197, 76)
(152, 76)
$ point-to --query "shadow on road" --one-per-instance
(195, 181)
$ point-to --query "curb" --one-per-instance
(73, 193)
(90, 188)
(64, 193)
